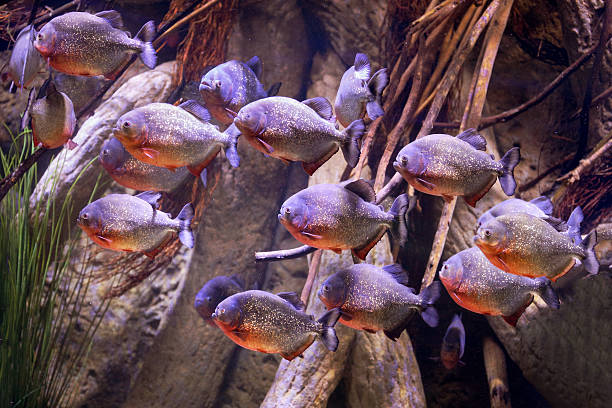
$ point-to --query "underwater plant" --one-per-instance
(45, 335)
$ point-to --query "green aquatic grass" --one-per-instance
(45, 330)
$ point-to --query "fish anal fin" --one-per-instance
(363, 251)
(198, 168)
(336, 250)
(447, 198)
(310, 168)
(297, 353)
(473, 199)
(396, 332)
(513, 318)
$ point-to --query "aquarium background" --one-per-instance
(152, 349)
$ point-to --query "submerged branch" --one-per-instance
(313, 270)
(283, 254)
(574, 175)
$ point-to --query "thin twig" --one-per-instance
(574, 175)
(313, 270)
(532, 183)
(51, 14)
(365, 147)
(283, 254)
(596, 101)
(384, 192)
(184, 20)
(25, 118)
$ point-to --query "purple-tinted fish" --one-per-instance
(25, 61)
(540, 207)
(213, 292)
(229, 86)
(372, 299)
(268, 323)
(453, 344)
(53, 120)
(80, 43)
(477, 285)
(132, 173)
(359, 93)
(529, 246)
(343, 216)
(122, 222)
(290, 130)
(449, 166)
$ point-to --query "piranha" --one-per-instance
(529, 246)
(449, 166)
(80, 43)
(290, 130)
(53, 119)
(25, 61)
(453, 344)
(229, 86)
(477, 285)
(132, 173)
(122, 222)
(269, 323)
(359, 93)
(171, 136)
(540, 207)
(80, 89)
(213, 292)
(373, 299)
(344, 216)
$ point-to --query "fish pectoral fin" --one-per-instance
(150, 153)
(363, 251)
(285, 161)
(346, 316)
(104, 239)
(265, 147)
(425, 183)
(311, 236)
(310, 168)
(369, 330)
(231, 112)
(239, 334)
(501, 262)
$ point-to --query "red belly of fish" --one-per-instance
(250, 342)
(70, 66)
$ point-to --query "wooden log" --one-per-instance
(497, 375)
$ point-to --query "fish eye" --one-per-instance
(127, 124)
(85, 216)
(487, 233)
(403, 160)
(326, 288)
(266, 112)
(287, 210)
(208, 299)
(222, 311)
(40, 37)
(106, 152)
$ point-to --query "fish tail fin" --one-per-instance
(231, 146)
(573, 225)
(509, 162)
(147, 52)
(328, 333)
(376, 85)
(351, 148)
(399, 229)
(185, 234)
(428, 297)
(591, 264)
(547, 293)
(273, 91)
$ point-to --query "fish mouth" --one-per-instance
(206, 86)
(477, 240)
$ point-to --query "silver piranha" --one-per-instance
(344, 216)
(122, 222)
(453, 344)
(53, 119)
(229, 86)
(269, 323)
(80, 43)
(372, 299)
(449, 166)
(540, 207)
(529, 246)
(477, 285)
(290, 130)
(359, 93)
(25, 61)
(132, 173)
(213, 292)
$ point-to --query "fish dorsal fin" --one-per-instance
(472, 137)
(362, 67)
(362, 188)
(150, 197)
(113, 17)
(238, 281)
(544, 204)
(398, 273)
(196, 110)
(321, 106)
(293, 299)
(255, 65)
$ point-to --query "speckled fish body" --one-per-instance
(53, 119)
(525, 245)
(540, 207)
(212, 293)
(290, 130)
(80, 89)
(477, 285)
(449, 166)
(341, 216)
(373, 299)
(132, 173)
(358, 91)
(122, 222)
(25, 61)
(229, 86)
(169, 136)
(80, 43)
(453, 344)
(269, 323)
